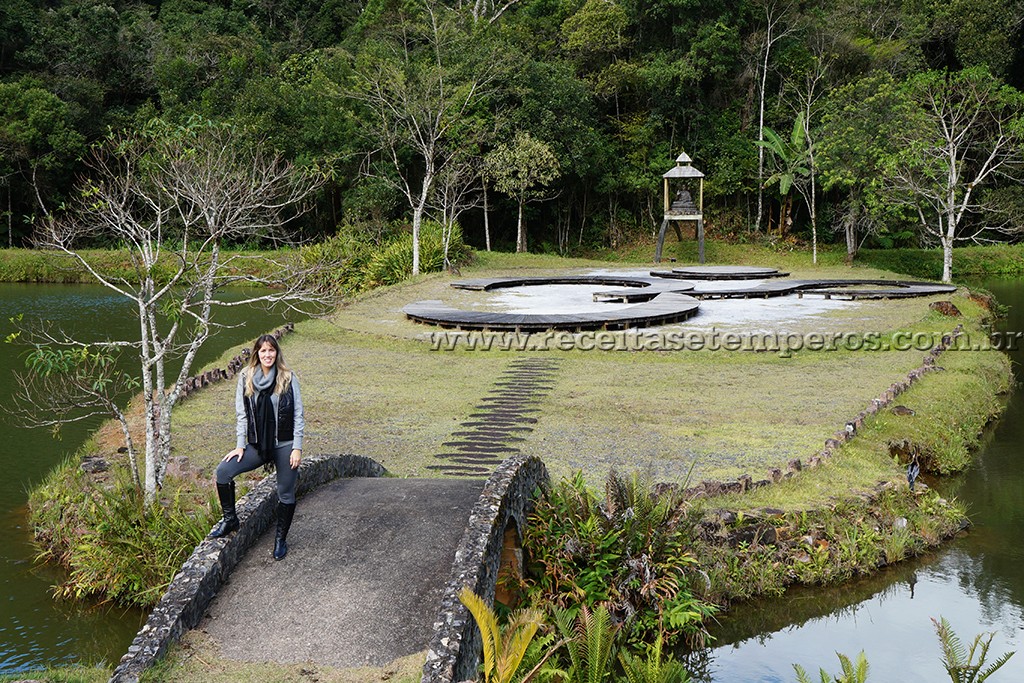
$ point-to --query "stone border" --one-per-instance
(193, 588)
(455, 648)
(745, 482)
(197, 382)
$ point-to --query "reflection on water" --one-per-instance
(976, 582)
(35, 630)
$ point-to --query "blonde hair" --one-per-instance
(284, 375)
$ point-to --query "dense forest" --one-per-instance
(547, 124)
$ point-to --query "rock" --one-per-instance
(902, 410)
(94, 465)
(179, 466)
(900, 523)
(945, 308)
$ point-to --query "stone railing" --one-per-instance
(507, 498)
(204, 572)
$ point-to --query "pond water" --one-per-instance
(976, 583)
(36, 630)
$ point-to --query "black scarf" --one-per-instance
(266, 422)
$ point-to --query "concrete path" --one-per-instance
(367, 561)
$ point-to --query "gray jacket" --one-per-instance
(241, 425)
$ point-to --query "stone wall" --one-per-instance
(194, 587)
(507, 498)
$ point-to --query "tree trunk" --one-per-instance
(521, 232)
(760, 132)
(487, 223)
(947, 254)
(417, 217)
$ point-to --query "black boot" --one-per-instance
(229, 523)
(285, 512)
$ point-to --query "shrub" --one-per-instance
(628, 552)
(113, 544)
(393, 263)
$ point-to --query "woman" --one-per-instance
(270, 424)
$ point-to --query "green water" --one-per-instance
(975, 582)
(36, 630)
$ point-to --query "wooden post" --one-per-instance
(700, 236)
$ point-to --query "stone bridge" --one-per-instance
(373, 573)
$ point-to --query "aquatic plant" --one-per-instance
(653, 668)
(850, 671)
(958, 660)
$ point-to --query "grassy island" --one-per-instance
(374, 386)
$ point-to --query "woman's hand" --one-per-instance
(235, 453)
(296, 458)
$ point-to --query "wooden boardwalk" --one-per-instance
(662, 298)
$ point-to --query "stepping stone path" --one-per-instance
(499, 421)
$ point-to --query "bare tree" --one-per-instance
(457, 190)
(489, 10)
(775, 13)
(968, 132)
(173, 197)
(70, 381)
(810, 90)
(418, 83)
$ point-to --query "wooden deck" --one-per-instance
(661, 298)
(663, 309)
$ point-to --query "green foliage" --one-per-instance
(654, 668)
(959, 660)
(589, 639)
(112, 544)
(850, 671)
(504, 648)
(792, 156)
(75, 673)
(614, 90)
(393, 263)
(628, 552)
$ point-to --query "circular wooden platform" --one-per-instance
(660, 296)
(663, 309)
(720, 273)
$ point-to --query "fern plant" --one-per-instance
(958, 660)
(589, 639)
(503, 648)
(653, 669)
(850, 671)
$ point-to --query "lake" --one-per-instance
(36, 630)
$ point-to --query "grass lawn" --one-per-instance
(373, 386)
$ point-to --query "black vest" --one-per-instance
(285, 416)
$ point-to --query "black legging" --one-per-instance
(286, 476)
